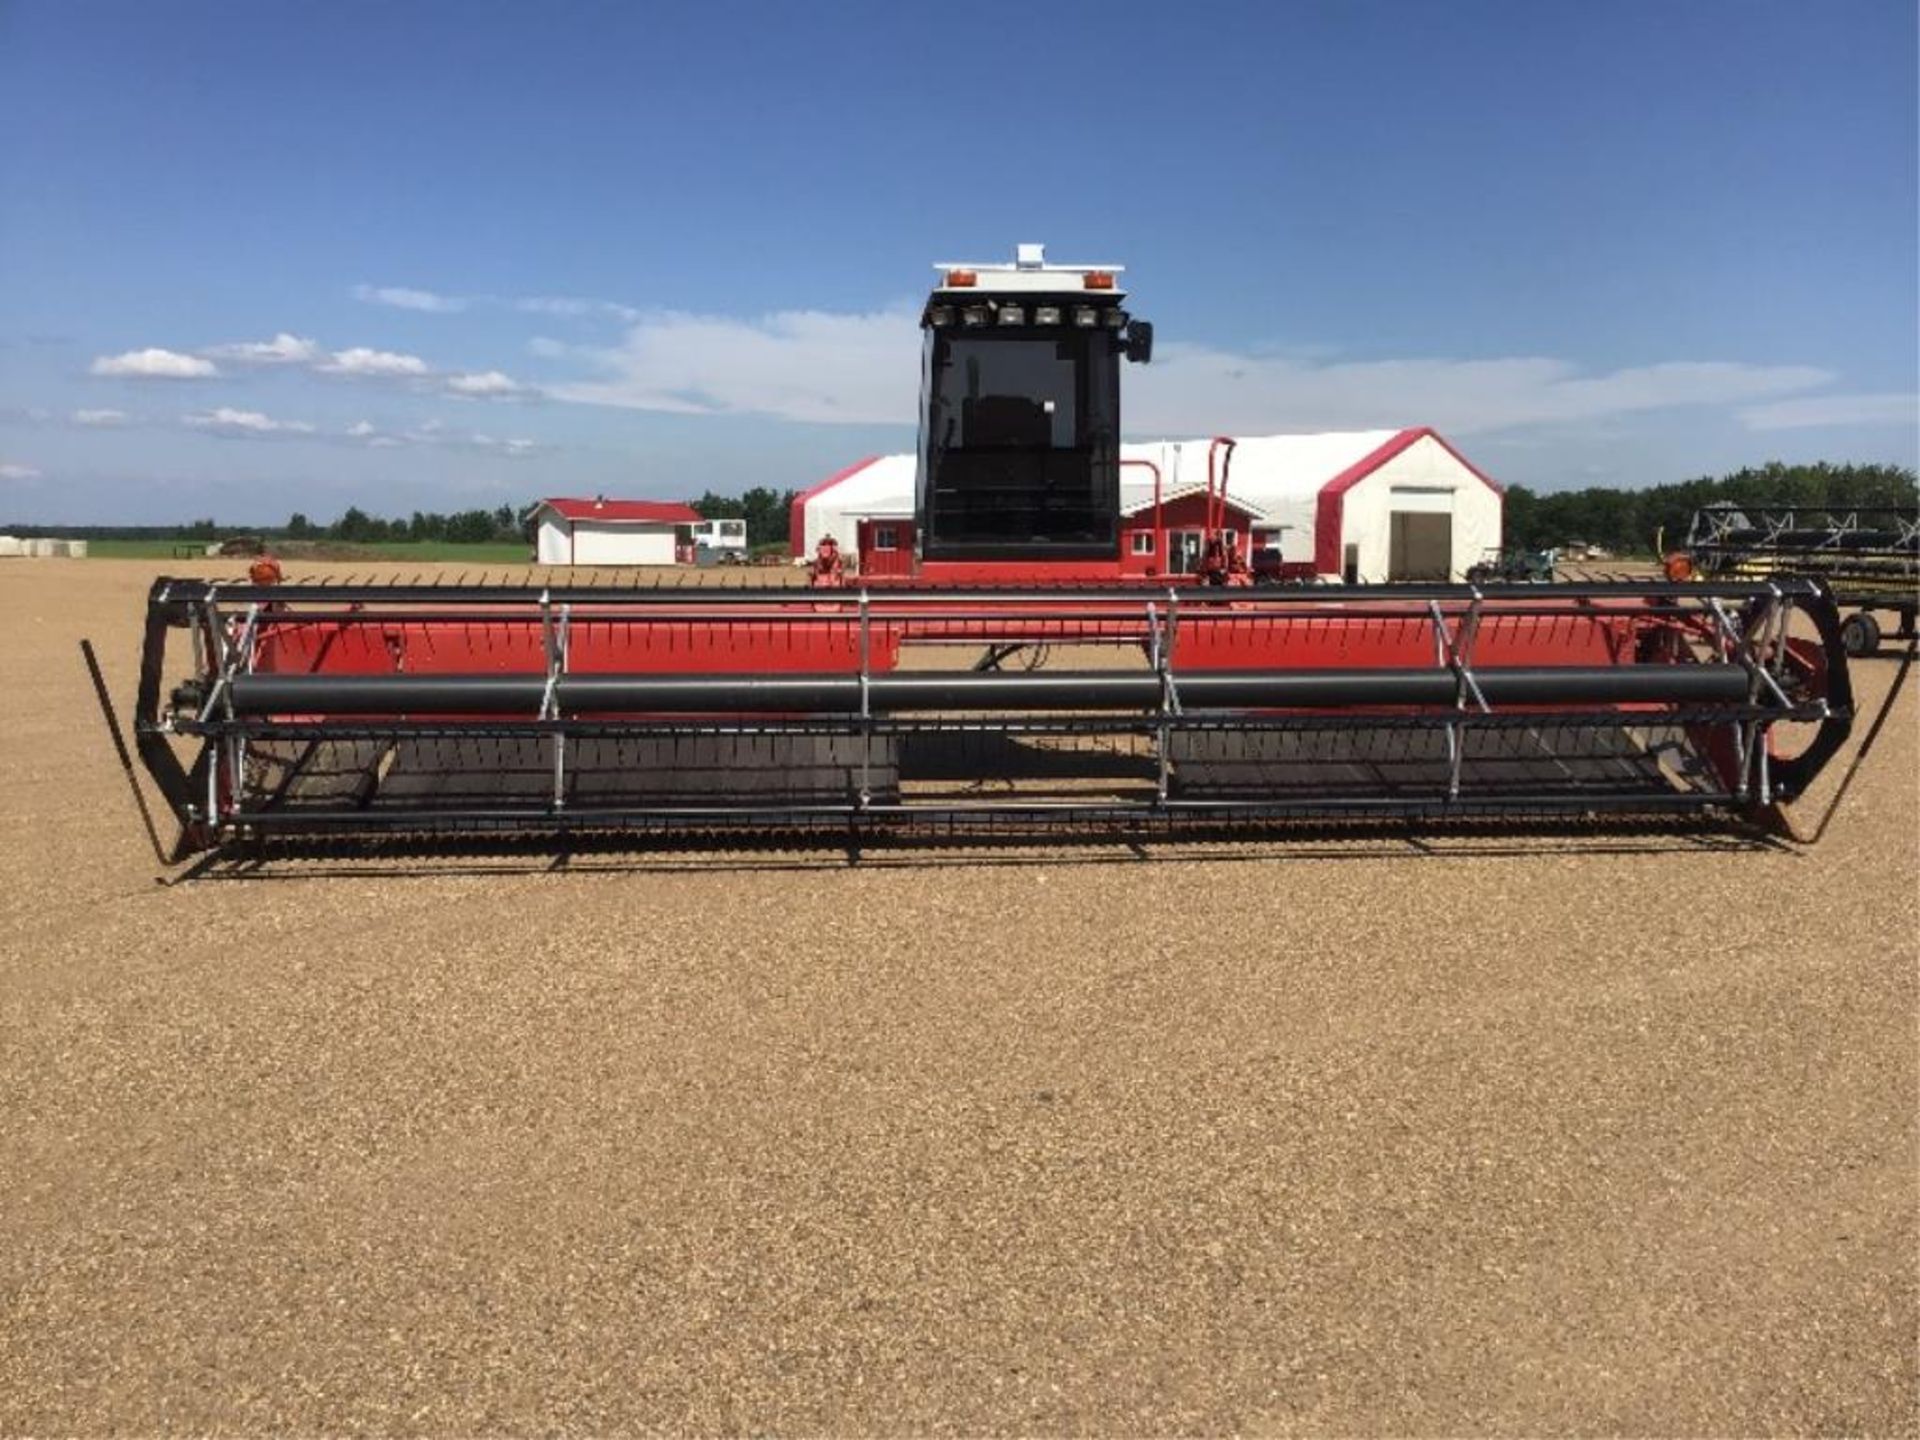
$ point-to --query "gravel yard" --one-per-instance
(1486, 1134)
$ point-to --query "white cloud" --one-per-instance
(488, 385)
(282, 349)
(407, 297)
(1193, 388)
(1813, 410)
(14, 470)
(553, 305)
(573, 306)
(863, 368)
(383, 364)
(365, 432)
(154, 364)
(100, 419)
(436, 434)
(402, 298)
(242, 424)
(799, 365)
(514, 448)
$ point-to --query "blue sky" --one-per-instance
(264, 257)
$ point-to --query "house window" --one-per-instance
(1143, 542)
(885, 537)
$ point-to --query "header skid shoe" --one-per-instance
(377, 709)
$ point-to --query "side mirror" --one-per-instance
(1140, 342)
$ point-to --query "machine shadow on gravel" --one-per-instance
(359, 857)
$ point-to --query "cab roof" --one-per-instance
(1029, 274)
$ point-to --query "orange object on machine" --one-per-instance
(829, 568)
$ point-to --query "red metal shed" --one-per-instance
(1173, 546)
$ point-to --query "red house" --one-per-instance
(1169, 543)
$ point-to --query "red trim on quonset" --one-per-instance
(1330, 509)
(655, 512)
(1472, 469)
(797, 515)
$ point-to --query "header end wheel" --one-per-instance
(1860, 634)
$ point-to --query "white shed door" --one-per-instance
(1420, 546)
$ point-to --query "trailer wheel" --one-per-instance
(1860, 635)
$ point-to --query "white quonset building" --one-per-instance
(1360, 505)
(867, 508)
(612, 532)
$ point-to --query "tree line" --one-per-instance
(764, 510)
(1629, 522)
(355, 526)
(463, 527)
(1626, 522)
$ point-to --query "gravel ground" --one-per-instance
(1483, 1136)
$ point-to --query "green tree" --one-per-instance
(764, 510)
(1632, 521)
(470, 527)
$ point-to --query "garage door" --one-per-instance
(1420, 547)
